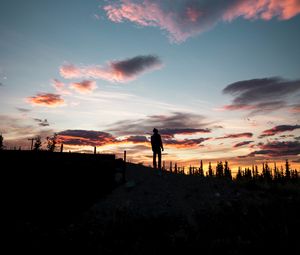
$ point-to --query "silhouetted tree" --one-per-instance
(210, 172)
(219, 169)
(51, 142)
(227, 171)
(201, 173)
(1, 142)
(267, 172)
(287, 169)
(239, 174)
(256, 171)
(37, 143)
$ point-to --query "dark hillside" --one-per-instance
(156, 213)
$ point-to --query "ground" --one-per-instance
(156, 213)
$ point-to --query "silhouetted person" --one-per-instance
(157, 147)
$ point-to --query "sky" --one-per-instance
(220, 80)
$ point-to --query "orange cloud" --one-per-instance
(46, 99)
(84, 87)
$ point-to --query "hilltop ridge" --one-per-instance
(156, 213)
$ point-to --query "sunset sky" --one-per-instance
(220, 80)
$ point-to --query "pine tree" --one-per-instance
(201, 173)
(287, 169)
(227, 171)
(239, 174)
(219, 169)
(210, 172)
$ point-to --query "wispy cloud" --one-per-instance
(42, 123)
(295, 108)
(261, 95)
(277, 149)
(114, 71)
(170, 132)
(168, 125)
(184, 143)
(46, 99)
(239, 135)
(85, 137)
(136, 139)
(186, 18)
(279, 129)
(60, 87)
(84, 87)
(23, 110)
(242, 144)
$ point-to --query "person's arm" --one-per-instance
(161, 144)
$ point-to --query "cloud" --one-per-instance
(136, 139)
(239, 135)
(295, 108)
(60, 87)
(24, 110)
(168, 125)
(85, 137)
(46, 99)
(42, 123)
(261, 95)
(277, 149)
(170, 132)
(115, 71)
(84, 87)
(279, 129)
(242, 144)
(182, 19)
(185, 143)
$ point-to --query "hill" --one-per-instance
(156, 213)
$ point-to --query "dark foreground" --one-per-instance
(162, 214)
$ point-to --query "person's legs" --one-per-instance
(154, 159)
(159, 159)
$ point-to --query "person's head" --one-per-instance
(155, 131)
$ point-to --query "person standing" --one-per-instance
(157, 147)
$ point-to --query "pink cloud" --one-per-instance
(60, 87)
(114, 71)
(70, 71)
(46, 99)
(84, 87)
(184, 18)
